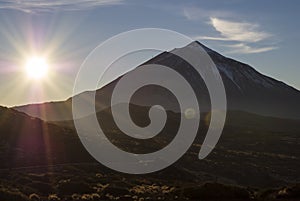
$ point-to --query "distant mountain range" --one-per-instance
(247, 90)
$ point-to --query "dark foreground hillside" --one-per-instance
(257, 158)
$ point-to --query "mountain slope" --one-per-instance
(27, 141)
(251, 150)
(246, 89)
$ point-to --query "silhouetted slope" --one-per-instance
(27, 141)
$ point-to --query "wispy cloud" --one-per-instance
(242, 48)
(32, 6)
(238, 31)
(246, 36)
(195, 13)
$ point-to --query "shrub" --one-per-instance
(86, 197)
(53, 197)
(34, 197)
(292, 192)
(95, 196)
(76, 196)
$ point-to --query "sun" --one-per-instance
(36, 67)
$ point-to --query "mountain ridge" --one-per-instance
(247, 89)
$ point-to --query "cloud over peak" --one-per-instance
(248, 37)
(239, 31)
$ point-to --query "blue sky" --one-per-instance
(264, 34)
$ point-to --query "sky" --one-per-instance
(263, 34)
